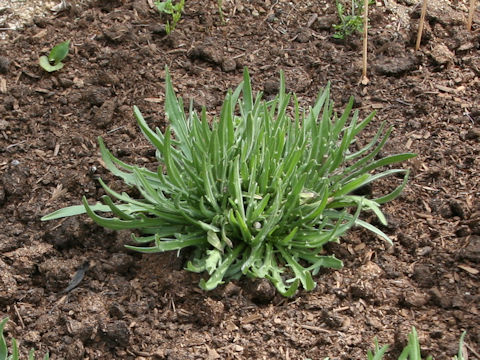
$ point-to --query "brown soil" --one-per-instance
(132, 306)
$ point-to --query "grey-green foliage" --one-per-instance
(257, 192)
(15, 353)
(412, 350)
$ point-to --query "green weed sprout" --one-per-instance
(174, 10)
(15, 353)
(349, 24)
(56, 55)
(257, 192)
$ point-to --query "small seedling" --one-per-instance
(349, 24)
(54, 60)
(174, 10)
(15, 355)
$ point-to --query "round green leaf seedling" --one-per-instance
(56, 55)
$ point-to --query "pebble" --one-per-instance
(441, 55)
(4, 65)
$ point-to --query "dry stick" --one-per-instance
(420, 26)
(365, 38)
(470, 15)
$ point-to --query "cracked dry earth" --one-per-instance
(132, 306)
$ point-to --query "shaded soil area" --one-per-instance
(132, 306)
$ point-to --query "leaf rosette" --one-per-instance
(257, 192)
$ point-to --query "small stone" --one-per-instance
(424, 251)
(206, 53)
(104, 115)
(271, 87)
(471, 252)
(229, 65)
(415, 299)
(211, 312)
(396, 66)
(473, 134)
(261, 291)
(463, 231)
(457, 208)
(423, 275)
(96, 96)
(442, 55)
(4, 65)
(116, 333)
(325, 22)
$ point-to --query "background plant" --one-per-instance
(257, 192)
(175, 10)
(15, 353)
(349, 23)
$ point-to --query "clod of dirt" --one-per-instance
(331, 319)
(66, 235)
(463, 231)
(260, 291)
(15, 180)
(2, 195)
(423, 275)
(117, 33)
(303, 36)
(109, 5)
(473, 134)
(104, 115)
(414, 299)
(325, 22)
(271, 87)
(441, 55)
(206, 53)
(116, 333)
(472, 250)
(119, 263)
(8, 284)
(210, 312)
(458, 209)
(4, 64)
(96, 96)
(439, 299)
(74, 349)
(229, 65)
(396, 66)
(80, 330)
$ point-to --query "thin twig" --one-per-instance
(365, 43)
(19, 316)
(471, 10)
(420, 25)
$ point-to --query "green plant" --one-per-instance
(220, 11)
(174, 10)
(56, 55)
(352, 23)
(253, 193)
(411, 351)
(15, 353)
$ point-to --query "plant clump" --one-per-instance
(258, 192)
